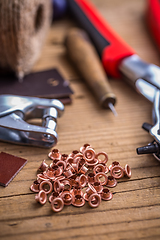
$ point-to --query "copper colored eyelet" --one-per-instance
(98, 187)
(50, 174)
(92, 163)
(106, 194)
(58, 186)
(42, 177)
(67, 198)
(43, 166)
(99, 175)
(77, 191)
(77, 157)
(35, 186)
(112, 182)
(102, 154)
(83, 148)
(94, 200)
(67, 184)
(54, 154)
(127, 171)
(78, 201)
(57, 204)
(47, 183)
(115, 163)
(91, 177)
(117, 172)
(89, 154)
(82, 180)
(99, 168)
(53, 196)
(61, 164)
(41, 197)
(73, 153)
(64, 157)
(89, 191)
(57, 171)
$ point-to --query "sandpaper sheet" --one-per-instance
(10, 165)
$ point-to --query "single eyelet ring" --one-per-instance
(53, 196)
(50, 174)
(67, 184)
(102, 154)
(94, 200)
(127, 171)
(64, 157)
(35, 186)
(82, 180)
(54, 154)
(41, 197)
(117, 172)
(106, 194)
(98, 187)
(115, 163)
(61, 164)
(99, 168)
(47, 183)
(57, 204)
(83, 148)
(89, 154)
(58, 186)
(92, 163)
(112, 182)
(78, 201)
(77, 157)
(43, 166)
(89, 191)
(67, 198)
(42, 177)
(99, 175)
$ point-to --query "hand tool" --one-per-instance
(83, 54)
(15, 110)
(118, 59)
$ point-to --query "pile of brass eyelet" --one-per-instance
(76, 178)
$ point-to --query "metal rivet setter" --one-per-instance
(41, 197)
(16, 110)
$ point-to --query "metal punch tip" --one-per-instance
(112, 108)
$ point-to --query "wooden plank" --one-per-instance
(134, 211)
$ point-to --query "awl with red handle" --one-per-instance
(117, 57)
(120, 60)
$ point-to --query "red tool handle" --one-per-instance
(153, 19)
(110, 47)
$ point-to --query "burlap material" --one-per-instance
(23, 28)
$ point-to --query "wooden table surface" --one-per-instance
(134, 211)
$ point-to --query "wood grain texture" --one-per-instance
(134, 211)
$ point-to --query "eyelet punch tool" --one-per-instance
(16, 110)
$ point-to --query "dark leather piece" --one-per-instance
(48, 84)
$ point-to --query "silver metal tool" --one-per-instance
(16, 110)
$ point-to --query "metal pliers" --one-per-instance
(16, 110)
(120, 60)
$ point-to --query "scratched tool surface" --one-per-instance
(134, 211)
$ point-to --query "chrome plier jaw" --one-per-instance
(16, 110)
(154, 130)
